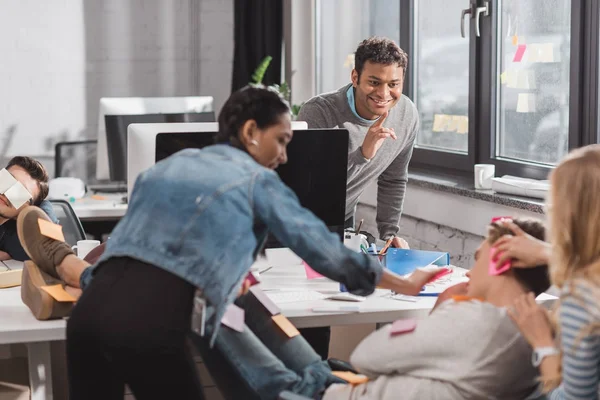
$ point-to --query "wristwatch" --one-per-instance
(540, 352)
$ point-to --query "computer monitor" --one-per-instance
(137, 106)
(316, 169)
(116, 135)
(142, 143)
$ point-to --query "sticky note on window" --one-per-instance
(463, 125)
(439, 122)
(265, 300)
(351, 377)
(520, 52)
(515, 40)
(525, 79)
(58, 293)
(286, 326)
(311, 273)
(526, 103)
(403, 326)
(234, 318)
(546, 53)
(51, 230)
(512, 78)
(503, 77)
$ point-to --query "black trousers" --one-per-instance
(131, 327)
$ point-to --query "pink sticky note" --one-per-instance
(311, 273)
(443, 272)
(403, 326)
(252, 279)
(265, 300)
(520, 51)
(493, 270)
(234, 318)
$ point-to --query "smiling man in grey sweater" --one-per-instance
(383, 125)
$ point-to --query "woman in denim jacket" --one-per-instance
(197, 220)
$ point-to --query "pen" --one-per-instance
(359, 226)
(387, 245)
(373, 248)
(428, 294)
(364, 249)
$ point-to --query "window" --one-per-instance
(533, 89)
(341, 26)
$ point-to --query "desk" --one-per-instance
(100, 213)
(19, 326)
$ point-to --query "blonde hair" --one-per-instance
(575, 216)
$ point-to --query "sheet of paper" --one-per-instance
(51, 230)
(351, 377)
(234, 318)
(526, 103)
(403, 326)
(265, 300)
(311, 273)
(286, 326)
(520, 52)
(58, 293)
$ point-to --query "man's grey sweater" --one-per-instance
(389, 166)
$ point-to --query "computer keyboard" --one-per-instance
(280, 297)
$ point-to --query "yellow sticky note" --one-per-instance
(285, 325)
(463, 125)
(351, 377)
(58, 293)
(546, 53)
(526, 103)
(453, 121)
(503, 77)
(515, 40)
(51, 230)
(438, 123)
(512, 77)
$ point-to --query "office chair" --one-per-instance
(67, 218)
(76, 159)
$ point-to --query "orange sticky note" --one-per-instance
(515, 40)
(51, 230)
(98, 197)
(58, 293)
(351, 377)
(459, 297)
(285, 325)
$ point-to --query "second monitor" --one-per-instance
(116, 135)
(316, 169)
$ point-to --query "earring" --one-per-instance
(254, 142)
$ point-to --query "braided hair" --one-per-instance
(265, 106)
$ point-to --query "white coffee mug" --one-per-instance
(353, 241)
(483, 175)
(83, 247)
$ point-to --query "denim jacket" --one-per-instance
(203, 214)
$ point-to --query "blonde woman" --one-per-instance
(574, 253)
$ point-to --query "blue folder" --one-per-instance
(402, 261)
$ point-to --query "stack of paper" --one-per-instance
(521, 186)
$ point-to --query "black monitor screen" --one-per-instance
(316, 169)
(116, 135)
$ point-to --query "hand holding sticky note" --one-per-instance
(494, 269)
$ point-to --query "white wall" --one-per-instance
(60, 57)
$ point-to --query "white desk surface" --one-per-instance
(100, 206)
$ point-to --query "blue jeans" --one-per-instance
(264, 357)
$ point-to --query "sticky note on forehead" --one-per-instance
(51, 230)
(18, 195)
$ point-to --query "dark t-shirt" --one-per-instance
(9, 240)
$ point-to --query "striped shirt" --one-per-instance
(580, 342)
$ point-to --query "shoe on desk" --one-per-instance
(42, 305)
(45, 252)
